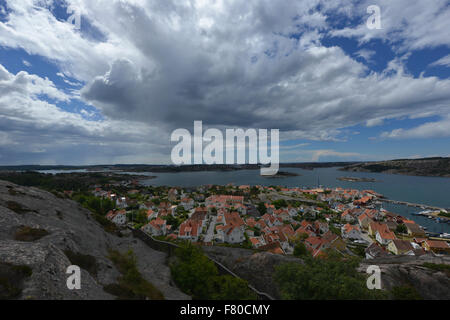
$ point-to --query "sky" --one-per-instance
(113, 90)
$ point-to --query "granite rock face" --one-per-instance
(69, 228)
(400, 271)
(396, 271)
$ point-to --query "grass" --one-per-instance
(29, 234)
(11, 279)
(131, 285)
(84, 261)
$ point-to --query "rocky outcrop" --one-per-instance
(256, 267)
(400, 271)
(60, 230)
(396, 271)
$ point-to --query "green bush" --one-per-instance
(199, 277)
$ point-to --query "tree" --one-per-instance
(262, 208)
(280, 203)
(199, 277)
(230, 288)
(401, 228)
(300, 249)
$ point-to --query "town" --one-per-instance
(288, 221)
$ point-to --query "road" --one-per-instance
(210, 232)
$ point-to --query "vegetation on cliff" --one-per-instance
(199, 277)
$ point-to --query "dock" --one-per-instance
(416, 205)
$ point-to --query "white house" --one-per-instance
(351, 232)
(156, 227)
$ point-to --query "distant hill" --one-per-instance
(433, 167)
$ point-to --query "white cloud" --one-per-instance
(437, 129)
(406, 24)
(444, 61)
(161, 65)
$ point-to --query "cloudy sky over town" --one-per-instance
(113, 90)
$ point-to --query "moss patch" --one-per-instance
(29, 234)
(17, 207)
(11, 280)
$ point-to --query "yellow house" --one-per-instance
(398, 247)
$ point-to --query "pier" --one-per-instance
(417, 205)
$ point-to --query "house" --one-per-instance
(187, 203)
(233, 234)
(321, 227)
(190, 230)
(199, 215)
(233, 231)
(363, 201)
(384, 235)
(220, 201)
(331, 240)
(273, 247)
(375, 226)
(156, 227)
(375, 251)
(292, 211)
(351, 232)
(346, 216)
(151, 214)
(400, 247)
(414, 229)
(436, 246)
(117, 217)
(364, 220)
(172, 194)
(121, 203)
(257, 242)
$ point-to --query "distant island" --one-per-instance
(356, 179)
(283, 174)
(432, 167)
